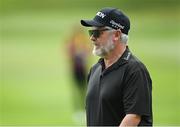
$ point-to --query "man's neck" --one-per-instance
(114, 56)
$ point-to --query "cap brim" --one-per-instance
(90, 23)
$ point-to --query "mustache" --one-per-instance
(95, 43)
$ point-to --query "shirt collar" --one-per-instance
(125, 57)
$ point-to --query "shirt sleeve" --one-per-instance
(137, 93)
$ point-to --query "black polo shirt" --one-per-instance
(123, 88)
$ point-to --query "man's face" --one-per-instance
(102, 40)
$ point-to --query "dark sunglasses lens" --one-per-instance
(95, 33)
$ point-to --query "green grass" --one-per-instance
(36, 83)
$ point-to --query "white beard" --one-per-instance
(103, 50)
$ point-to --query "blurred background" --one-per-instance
(38, 78)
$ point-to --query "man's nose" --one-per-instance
(92, 38)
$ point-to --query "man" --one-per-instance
(119, 85)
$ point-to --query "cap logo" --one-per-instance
(100, 14)
(116, 25)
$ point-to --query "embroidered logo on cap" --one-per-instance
(100, 14)
(116, 25)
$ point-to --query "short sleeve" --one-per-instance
(137, 97)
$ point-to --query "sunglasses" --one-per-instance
(97, 33)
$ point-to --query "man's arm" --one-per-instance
(130, 120)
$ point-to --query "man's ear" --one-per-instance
(117, 35)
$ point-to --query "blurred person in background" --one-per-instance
(119, 91)
(78, 50)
